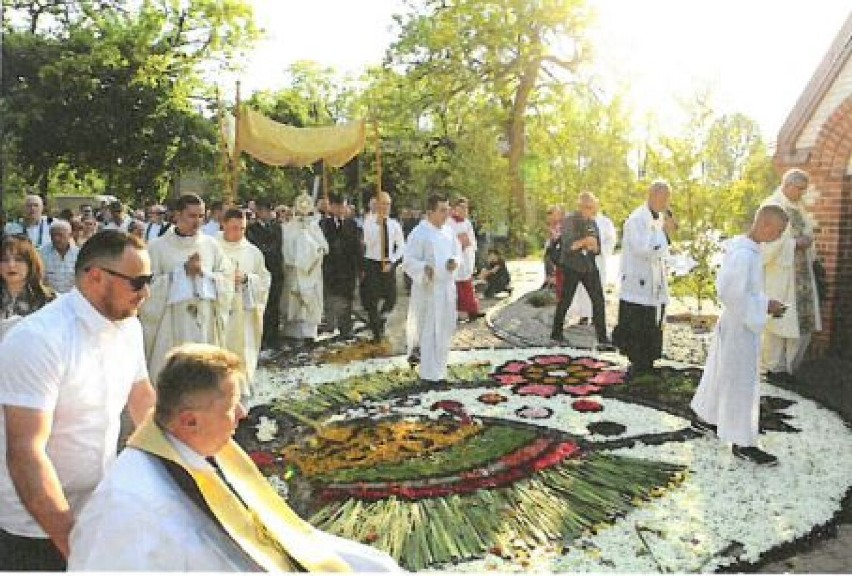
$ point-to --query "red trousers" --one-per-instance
(558, 280)
(466, 301)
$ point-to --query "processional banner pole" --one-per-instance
(378, 156)
(235, 159)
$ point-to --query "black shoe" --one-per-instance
(476, 316)
(779, 377)
(414, 357)
(703, 427)
(754, 454)
(583, 322)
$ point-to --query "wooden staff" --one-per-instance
(378, 157)
(235, 159)
(223, 142)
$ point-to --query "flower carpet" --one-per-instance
(540, 459)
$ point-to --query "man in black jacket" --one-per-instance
(580, 244)
(265, 233)
(341, 265)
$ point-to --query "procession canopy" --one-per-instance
(278, 144)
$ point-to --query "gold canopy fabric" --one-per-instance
(278, 144)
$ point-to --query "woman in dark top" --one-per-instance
(495, 274)
(22, 288)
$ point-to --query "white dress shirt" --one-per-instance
(70, 360)
(373, 240)
(39, 233)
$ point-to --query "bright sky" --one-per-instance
(755, 55)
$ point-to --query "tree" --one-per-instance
(116, 89)
(498, 55)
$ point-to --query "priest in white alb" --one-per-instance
(192, 287)
(244, 329)
(432, 256)
(303, 246)
(184, 497)
(728, 399)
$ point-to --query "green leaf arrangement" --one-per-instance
(552, 507)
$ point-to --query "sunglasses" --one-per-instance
(137, 283)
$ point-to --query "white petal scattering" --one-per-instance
(726, 510)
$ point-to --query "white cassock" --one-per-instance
(468, 264)
(245, 320)
(181, 309)
(432, 312)
(729, 393)
(581, 306)
(138, 519)
(303, 246)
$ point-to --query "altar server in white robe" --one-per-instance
(728, 397)
(184, 497)
(244, 330)
(192, 288)
(303, 246)
(432, 256)
(581, 306)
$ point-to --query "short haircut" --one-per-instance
(58, 224)
(335, 199)
(459, 200)
(660, 185)
(216, 205)
(188, 200)
(795, 177)
(433, 200)
(773, 211)
(232, 213)
(192, 369)
(106, 246)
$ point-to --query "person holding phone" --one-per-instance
(728, 399)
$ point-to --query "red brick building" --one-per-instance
(817, 137)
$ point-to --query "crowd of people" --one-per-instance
(212, 288)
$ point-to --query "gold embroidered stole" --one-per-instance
(266, 528)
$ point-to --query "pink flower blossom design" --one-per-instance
(514, 367)
(543, 390)
(591, 363)
(582, 389)
(586, 406)
(510, 379)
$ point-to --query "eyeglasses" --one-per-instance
(137, 283)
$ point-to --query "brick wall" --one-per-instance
(827, 164)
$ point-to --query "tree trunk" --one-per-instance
(517, 150)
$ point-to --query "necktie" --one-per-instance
(385, 242)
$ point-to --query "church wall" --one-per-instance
(840, 89)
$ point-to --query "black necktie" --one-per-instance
(385, 241)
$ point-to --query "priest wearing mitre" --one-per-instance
(192, 287)
(183, 496)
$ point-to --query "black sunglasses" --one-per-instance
(137, 283)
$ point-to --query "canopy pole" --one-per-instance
(235, 160)
(378, 157)
(223, 143)
(324, 180)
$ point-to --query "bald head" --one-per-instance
(659, 194)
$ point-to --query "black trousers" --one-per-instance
(272, 315)
(376, 286)
(591, 281)
(22, 554)
(639, 334)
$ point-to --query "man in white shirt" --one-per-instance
(183, 496)
(244, 331)
(214, 223)
(156, 225)
(34, 224)
(192, 287)
(68, 371)
(432, 256)
(59, 257)
(384, 244)
(644, 280)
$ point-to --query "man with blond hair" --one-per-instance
(384, 243)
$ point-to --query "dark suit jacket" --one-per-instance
(574, 228)
(342, 265)
(267, 237)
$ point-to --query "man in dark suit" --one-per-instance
(580, 243)
(265, 233)
(341, 266)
